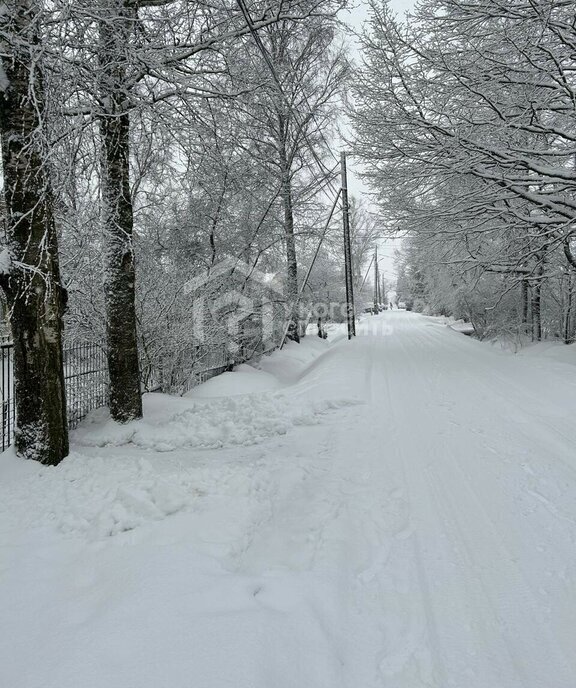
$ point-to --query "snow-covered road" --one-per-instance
(398, 511)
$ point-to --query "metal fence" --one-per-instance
(85, 376)
(8, 407)
(176, 372)
(86, 379)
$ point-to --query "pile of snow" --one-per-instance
(289, 364)
(223, 422)
(551, 351)
(245, 379)
(462, 326)
(219, 413)
(457, 324)
(239, 408)
(95, 496)
(97, 493)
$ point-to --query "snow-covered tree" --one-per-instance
(466, 125)
(30, 274)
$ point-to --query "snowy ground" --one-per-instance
(397, 511)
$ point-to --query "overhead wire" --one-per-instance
(272, 69)
(324, 171)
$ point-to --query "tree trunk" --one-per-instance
(33, 288)
(291, 261)
(216, 220)
(536, 303)
(524, 294)
(290, 241)
(120, 278)
(536, 300)
(568, 332)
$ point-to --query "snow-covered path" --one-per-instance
(413, 525)
(478, 445)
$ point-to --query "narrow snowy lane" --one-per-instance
(447, 508)
(399, 514)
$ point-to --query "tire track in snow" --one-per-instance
(394, 401)
(505, 589)
(526, 404)
(410, 655)
(462, 538)
(430, 512)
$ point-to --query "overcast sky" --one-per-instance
(360, 12)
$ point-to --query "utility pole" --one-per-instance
(376, 282)
(383, 295)
(347, 250)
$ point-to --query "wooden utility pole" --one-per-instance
(347, 250)
(376, 282)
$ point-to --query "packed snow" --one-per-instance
(395, 511)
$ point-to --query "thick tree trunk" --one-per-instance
(536, 302)
(289, 238)
(33, 289)
(524, 295)
(536, 295)
(120, 278)
(568, 333)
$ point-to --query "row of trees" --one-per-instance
(143, 141)
(466, 118)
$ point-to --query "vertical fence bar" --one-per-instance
(8, 405)
(9, 387)
(5, 412)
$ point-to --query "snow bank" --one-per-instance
(96, 493)
(458, 325)
(222, 422)
(293, 360)
(271, 373)
(96, 496)
(551, 351)
(232, 409)
(245, 379)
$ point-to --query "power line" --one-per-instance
(366, 275)
(323, 170)
(262, 48)
(310, 267)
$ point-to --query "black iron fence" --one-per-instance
(8, 407)
(176, 372)
(85, 375)
(86, 378)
